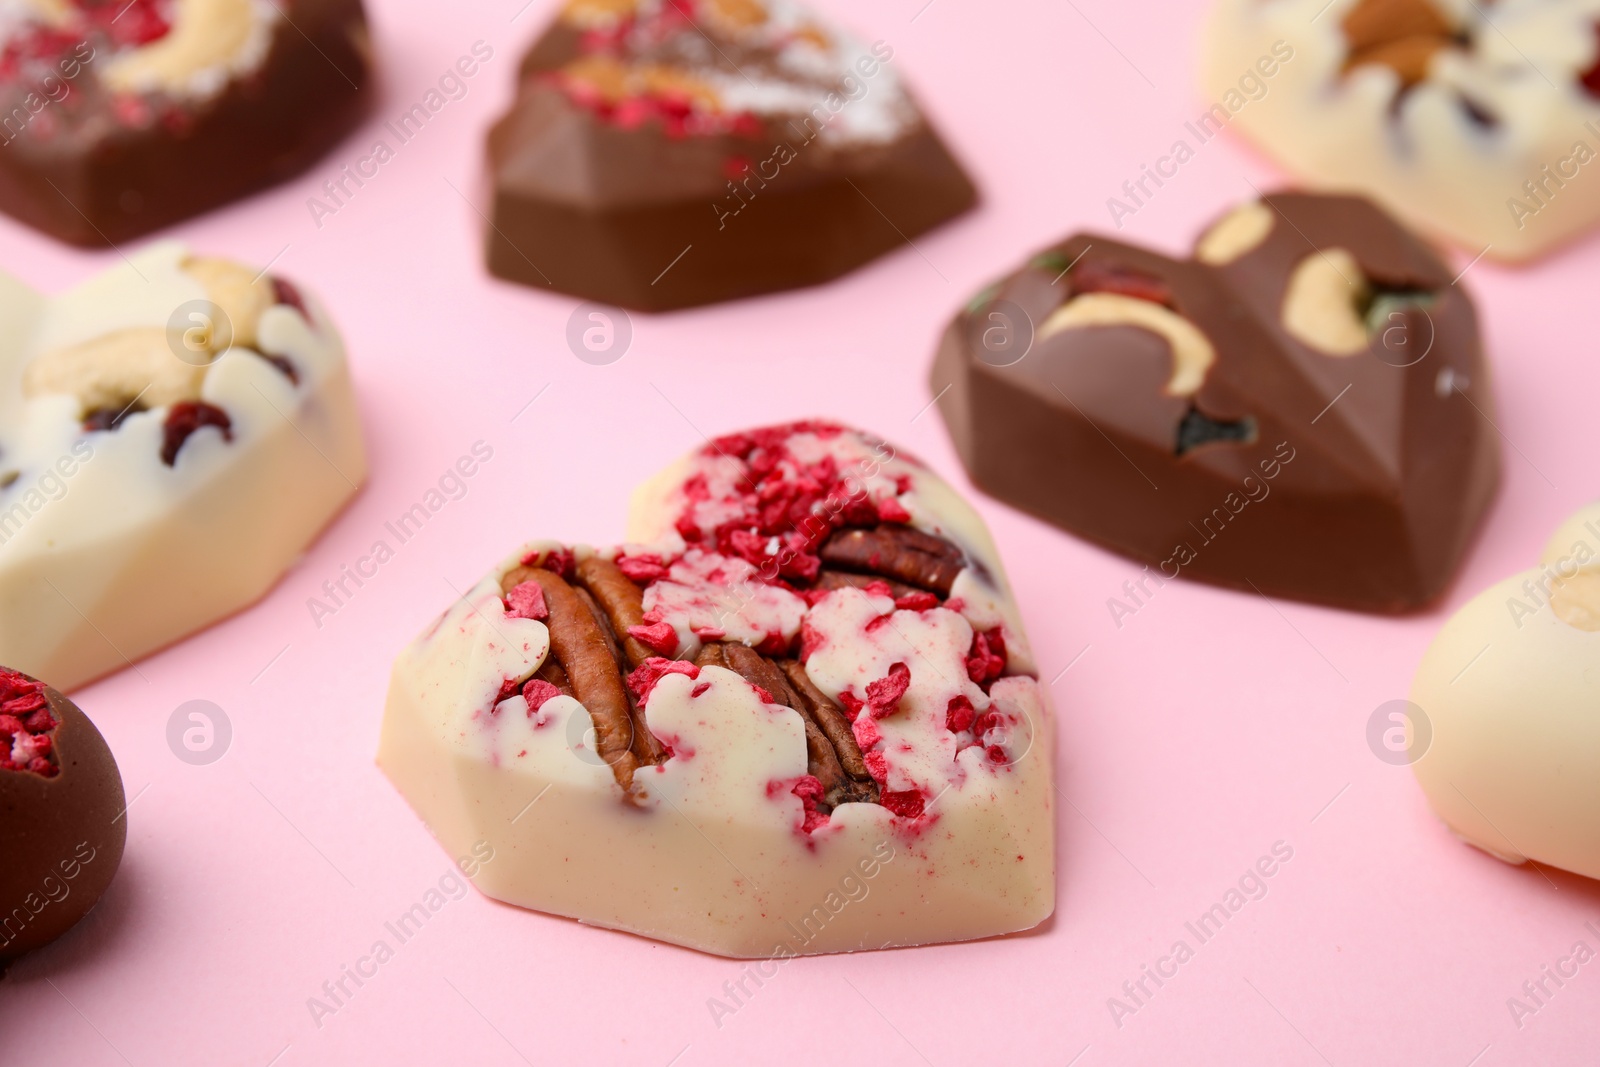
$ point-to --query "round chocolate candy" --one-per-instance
(62, 829)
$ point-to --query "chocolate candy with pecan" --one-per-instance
(118, 117)
(1301, 410)
(62, 823)
(803, 662)
(667, 153)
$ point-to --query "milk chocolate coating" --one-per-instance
(61, 838)
(1342, 480)
(92, 176)
(587, 207)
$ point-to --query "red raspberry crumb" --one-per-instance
(559, 560)
(700, 690)
(644, 677)
(878, 587)
(851, 703)
(877, 765)
(537, 692)
(773, 645)
(807, 787)
(987, 657)
(187, 416)
(986, 722)
(997, 754)
(891, 510)
(508, 689)
(867, 733)
(526, 601)
(883, 696)
(659, 636)
(959, 715)
(642, 569)
(907, 804)
(27, 728)
(917, 602)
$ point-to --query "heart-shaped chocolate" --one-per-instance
(1477, 122)
(1508, 692)
(795, 713)
(119, 118)
(177, 430)
(667, 153)
(1301, 410)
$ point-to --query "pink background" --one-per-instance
(1207, 728)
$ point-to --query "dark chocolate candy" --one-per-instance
(118, 117)
(1302, 410)
(62, 829)
(667, 153)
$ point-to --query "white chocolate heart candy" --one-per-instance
(1511, 688)
(1477, 122)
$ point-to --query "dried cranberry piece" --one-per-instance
(1097, 276)
(185, 418)
(285, 367)
(286, 293)
(105, 419)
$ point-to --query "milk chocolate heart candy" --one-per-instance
(176, 432)
(795, 713)
(1473, 121)
(62, 825)
(118, 117)
(1509, 689)
(1302, 410)
(666, 153)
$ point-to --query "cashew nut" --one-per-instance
(1322, 306)
(1236, 234)
(239, 294)
(206, 35)
(1192, 354)
(114, 369)
(1576, 600)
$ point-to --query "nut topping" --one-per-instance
(1238, 233)
(1323, 303)
(897, 552)
(1192, 354)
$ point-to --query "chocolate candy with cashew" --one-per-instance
(1302, 409)
(805, 655)
(667, 153)
(118, 117)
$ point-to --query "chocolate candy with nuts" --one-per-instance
(1302, 410)
(62, 822)
(1473, 121)
(180, 428)
(666, 153)
(118, 117)
(803, 664)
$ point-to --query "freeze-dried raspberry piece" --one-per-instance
(1098, 276)
(659, 636)
(184, 419)
(537, 692)
(644, 677)
(959, 715)
(877, 765)
(559, 560)
(918, 601)
(526, 601)
(851, 703)
(508, 689)
(891, 510)
(883, 696)
(907, 804)
(866, 731)
(643, 569)
(987, 658)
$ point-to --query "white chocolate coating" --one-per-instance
(106, 553)
(712, 852)
(1510, 687)
(1431, 163)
